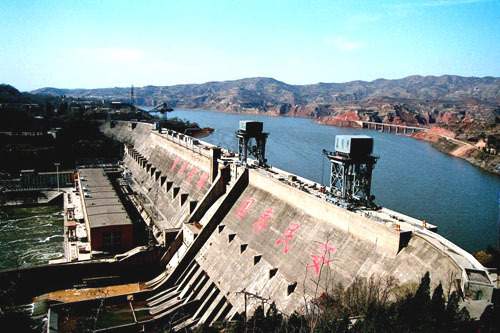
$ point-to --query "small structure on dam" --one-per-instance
(226, 231)
(251, 139)
(351, 171)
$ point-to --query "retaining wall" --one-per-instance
(36, 280)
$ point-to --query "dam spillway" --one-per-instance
(230, 231)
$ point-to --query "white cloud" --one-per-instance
(343, 44)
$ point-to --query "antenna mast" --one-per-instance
(132, 107)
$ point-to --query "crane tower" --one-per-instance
(351, 171)
(251, 140)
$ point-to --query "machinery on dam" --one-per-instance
(351, 171)
(252, 140)
(225, 230)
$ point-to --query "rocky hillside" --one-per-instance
(412, 100)
(466, 107)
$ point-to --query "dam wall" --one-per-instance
(171, 178)
(387, 240)
(251, 238)
(285, 248)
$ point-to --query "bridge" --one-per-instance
(391, 128)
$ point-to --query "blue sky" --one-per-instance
(107, 43)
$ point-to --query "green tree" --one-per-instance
(333, 326)
(490, 319)
(437, 308)
(63, 109)
(274, 319)
(296, 324)
(256, 322)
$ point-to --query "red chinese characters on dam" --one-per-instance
(244, 207)
(321, 258)
(183, 167)
(175, 163)
(201, 182)
(288, 235)
(191, 175)
(261, 224)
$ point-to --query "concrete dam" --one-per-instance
(236, 236)
(230, 230)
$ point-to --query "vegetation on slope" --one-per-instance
(366, 308)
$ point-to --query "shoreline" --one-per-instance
(440, 139)
(444, 141)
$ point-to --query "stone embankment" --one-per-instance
(30, 197)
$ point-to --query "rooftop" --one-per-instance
(102, 204)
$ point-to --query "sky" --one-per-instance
(119, 43)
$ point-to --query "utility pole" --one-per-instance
(57, 173)
(247, 294)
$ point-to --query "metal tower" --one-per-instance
(251, 140)
(351, 173)
(132, 107)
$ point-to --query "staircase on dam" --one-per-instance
(231, 231)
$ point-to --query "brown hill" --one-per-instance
(411, 100)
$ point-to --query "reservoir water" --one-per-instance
(410, 177)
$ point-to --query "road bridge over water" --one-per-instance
(392, 128)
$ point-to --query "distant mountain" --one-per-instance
(8, 90)
(424, 97)
(9, 94)
(60, 92)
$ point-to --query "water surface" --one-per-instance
(411, 177)
(30, 236)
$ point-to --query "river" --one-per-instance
(410, 177)
(30, 236)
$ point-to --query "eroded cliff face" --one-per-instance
(413, 113)
(474, 142)
(471, 153)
